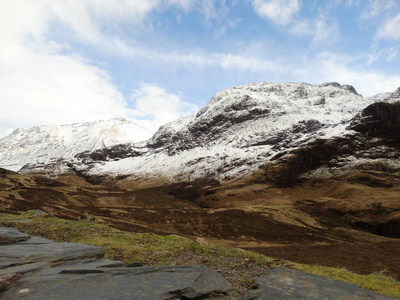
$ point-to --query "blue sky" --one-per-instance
(66, 61)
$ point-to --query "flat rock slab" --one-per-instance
(283, 283)
(36, 268)
(177, 282)
(11, 235)
(26, 252)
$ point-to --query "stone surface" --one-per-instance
(42, 269)
(11, 235)
(48, 252)
(284, 283)
(124, 283)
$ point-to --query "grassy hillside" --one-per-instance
(236, 265)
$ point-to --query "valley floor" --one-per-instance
(336, 223)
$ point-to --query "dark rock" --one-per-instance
(7, 172)
(310, 157)
(15, 268)
(178, 282)
(347, 87)
(12, 235)
(36, 240)
(49, 252)
(307, 126)
(115, 152)
(283, 283)
(379, 120)
(42, 269)
(320, 101)
(135, 264)
(8, 279)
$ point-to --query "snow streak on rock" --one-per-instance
(42, 145)
(237, 132)
(241, 129)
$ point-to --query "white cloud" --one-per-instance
(348, 3)
(154, 106)
(375, 8)
(329, 66)
(44, 88)
(376, 53)
(390, 29)
(247, 59)
(325, 31)
(43, 81)
(38, 85)
(244, 63)
(321, 30)
(280, 12)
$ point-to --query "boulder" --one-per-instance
(37, 268)
(11, 235)
(283, 283)
(176, 282)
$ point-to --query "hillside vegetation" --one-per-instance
(240, 267)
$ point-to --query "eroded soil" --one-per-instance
(334, 223)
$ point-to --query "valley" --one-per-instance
(337, 222)
(300, 173)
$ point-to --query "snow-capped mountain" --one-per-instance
(43, 145)
(240, 130)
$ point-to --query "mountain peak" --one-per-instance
(238, 131)
(48, 143)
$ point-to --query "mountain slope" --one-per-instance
(239, 131)
(44, 145)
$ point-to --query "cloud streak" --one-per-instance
(57, 56)
(390, 29)
(44, 81)
(154, 106)
(280, 12)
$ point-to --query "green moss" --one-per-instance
(375, 282)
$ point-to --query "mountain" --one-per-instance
(305, 173)
(46, 145)
(239, 131)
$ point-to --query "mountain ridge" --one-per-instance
(49, 143)
(238, 132)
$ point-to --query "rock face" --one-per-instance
(54, 145)
(380, 120)
(37, 268)
(12, 235)
(240, 130)
(283, 283)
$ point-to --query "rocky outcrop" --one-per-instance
(380, 120)
(12, 235)
(7, 172)
(283, 283)
(238, 131)
(37, 268)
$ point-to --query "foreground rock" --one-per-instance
(12, 235)
(37, 268)
(284, 283)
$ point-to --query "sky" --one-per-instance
(153, 61)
